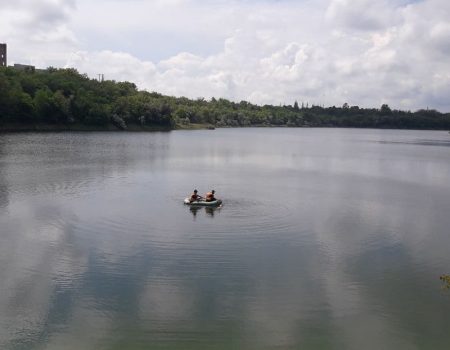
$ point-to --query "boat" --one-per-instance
(202, 203)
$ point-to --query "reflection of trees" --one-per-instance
(4, 199)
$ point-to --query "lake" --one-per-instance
(327, 239)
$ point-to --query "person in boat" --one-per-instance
(195, 197)
(209, 197)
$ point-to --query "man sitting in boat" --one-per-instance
(210, 196)
(195, 197)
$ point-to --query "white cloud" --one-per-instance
(327, 52)
(364, 15)
(117, 65)
(37, 32)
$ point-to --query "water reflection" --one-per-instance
(209, 211)
(332, 245)
(70, 163)
(4, 200)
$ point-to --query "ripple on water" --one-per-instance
(251, 221)
(69, 188)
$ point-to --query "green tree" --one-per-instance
(385, 110)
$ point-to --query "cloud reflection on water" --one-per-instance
(346, 259)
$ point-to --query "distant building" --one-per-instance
(24, 67)
(3, 58)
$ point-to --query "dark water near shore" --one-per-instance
(328, 239)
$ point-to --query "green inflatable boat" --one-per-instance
(202, 203)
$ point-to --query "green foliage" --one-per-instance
(445, 280)
(63, 96)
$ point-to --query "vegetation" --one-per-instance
(65, 99)
(445, 280)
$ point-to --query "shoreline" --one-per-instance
(43, 127)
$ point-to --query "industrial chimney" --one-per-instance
(3, 60)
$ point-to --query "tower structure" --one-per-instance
(3, 52)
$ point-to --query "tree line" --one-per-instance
(66, 97)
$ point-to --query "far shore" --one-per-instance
(76, 127)
(45, 127)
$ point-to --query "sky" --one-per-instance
(322, 52)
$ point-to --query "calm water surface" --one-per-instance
(327, 239)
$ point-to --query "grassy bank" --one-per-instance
(194, 126)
